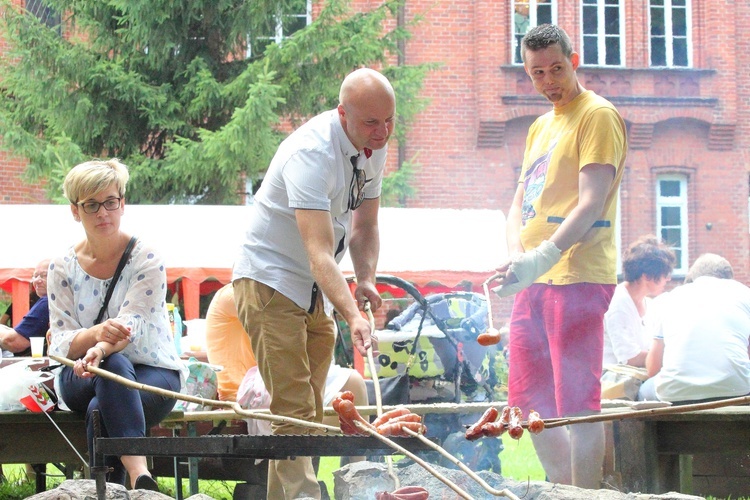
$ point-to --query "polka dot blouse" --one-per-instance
(138, 301)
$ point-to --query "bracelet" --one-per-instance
(104, 353)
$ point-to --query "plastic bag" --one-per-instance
(252, 394)
(201, 382)
(22, 388)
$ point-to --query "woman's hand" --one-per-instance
(111, 331)
(94, 356)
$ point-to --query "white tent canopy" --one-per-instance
(200, 242)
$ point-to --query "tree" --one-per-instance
(190, 94)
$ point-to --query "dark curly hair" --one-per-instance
(542, 36)
(649, 257)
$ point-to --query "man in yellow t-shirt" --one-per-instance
(561, 239)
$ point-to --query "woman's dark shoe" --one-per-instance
(146, 482)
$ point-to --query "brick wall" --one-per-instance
(470, 139)
(689, 121)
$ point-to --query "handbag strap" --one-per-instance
(113, 283)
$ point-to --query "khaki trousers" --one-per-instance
(294, 350)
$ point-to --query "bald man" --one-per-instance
(319, 197)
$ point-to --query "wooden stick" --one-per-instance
(234, 406)
(493, 491)
(425, 465)
(376, 384)
(486, 288)
(371, 362)
(421, 409)
(670, 410)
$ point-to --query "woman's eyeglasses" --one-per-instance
(92, 207)
(356, 188)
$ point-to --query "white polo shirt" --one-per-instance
(705, 326)
(311, 170)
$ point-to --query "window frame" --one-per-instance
(601, 37)
(515, 41)
(680, 202)
(668, 37)
(45, 14)
(278, 35)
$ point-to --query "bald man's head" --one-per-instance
(39, 279)
(367, 107)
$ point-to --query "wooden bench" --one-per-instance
(703, 452)
(185, 445)
(31, 438)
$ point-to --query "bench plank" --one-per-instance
(656, 453)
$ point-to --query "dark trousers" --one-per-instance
(124, 412)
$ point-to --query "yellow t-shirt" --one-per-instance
(561, 142)
(227, 343)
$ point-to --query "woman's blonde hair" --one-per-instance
(88, 178)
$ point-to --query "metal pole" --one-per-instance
(99, 470)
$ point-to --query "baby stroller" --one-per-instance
(429, 343)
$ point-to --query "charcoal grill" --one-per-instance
(227, 446)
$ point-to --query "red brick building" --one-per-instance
(687, 114)
(672, 67)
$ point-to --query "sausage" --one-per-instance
(396, 429)
(536, 424)
(348, 395)
(505, 416)
(347, 426)
(348, 415)
(475, 431)
(493, 429)
(404, 493)
(401, 410)
(490, 337)
(409, 417)
(514, 428)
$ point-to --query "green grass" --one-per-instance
(519, 460)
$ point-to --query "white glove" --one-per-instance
(528, 266)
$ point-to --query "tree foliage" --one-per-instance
(170, 88)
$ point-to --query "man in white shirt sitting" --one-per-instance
(700, 350)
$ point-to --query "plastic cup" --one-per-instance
(37, 346)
